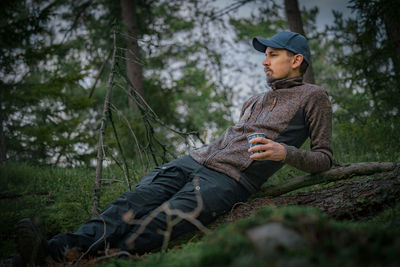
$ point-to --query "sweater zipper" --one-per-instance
(271, 107)
(234, 138)
(270, 110)
(221, 149)
(262, 107)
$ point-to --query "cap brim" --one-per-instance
(261, 44)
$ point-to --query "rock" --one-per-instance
(272, 237)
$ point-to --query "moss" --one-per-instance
(333, 243)
(60, 200)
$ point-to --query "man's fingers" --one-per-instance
(259, 140)
(262, 156)
(258, 148)
(266, 149)
(262, 147)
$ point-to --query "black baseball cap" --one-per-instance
(292, 41)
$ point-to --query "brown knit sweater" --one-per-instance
(288, 114)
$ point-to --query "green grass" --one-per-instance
(57, 199)
(329, 243)
(60, 199)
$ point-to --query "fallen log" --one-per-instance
(356, 169)
(377, 188)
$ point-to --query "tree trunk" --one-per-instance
(391, 21)
(296, 25)
(347, 199)
(132, 54)
(3, 150)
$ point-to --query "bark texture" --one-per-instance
(357, 169)
(296, 25)
(348, 199)
(3, 150)
(132, 54)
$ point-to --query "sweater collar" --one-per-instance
(285, 83)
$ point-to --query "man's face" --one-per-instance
(278, 64)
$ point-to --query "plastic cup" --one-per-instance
(252, 136)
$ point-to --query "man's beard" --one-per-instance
(269, 78)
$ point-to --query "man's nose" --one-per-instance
(266, 61)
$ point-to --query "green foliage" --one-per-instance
(56, 199)
(355, 61)
(54, 55)
(369, 140)
(44, 83)
(367, 55)
(366, 86)
(266, 23)
(328, 242)
(42, 101)
(59, 200)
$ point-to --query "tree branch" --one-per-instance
(100, 154)
(100, 72)
(126, 171)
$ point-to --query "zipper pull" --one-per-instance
(273, 104)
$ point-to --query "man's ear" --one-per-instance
(297, 60)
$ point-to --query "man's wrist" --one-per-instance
(285, 147)
(284, 153)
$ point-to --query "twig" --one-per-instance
(167, 233)
(149, 128)
(120, 253)
(130, 60)
(126, 171)
(189, 216)
(100, 72)
(153, 115)
(229, 8)
(83, 7)
(234, 207)
(131, 130)
(143, 223)
(92, 245)
(97, 184)
(116, 162)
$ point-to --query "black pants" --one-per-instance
(172, 182)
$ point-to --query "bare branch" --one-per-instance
(145, 107)
(230, 8)
(165, 207)
(91, 246)
(100, 72)
(82, 9)
(126, 170)
(116, 254)
(131, 130)
(100, 151)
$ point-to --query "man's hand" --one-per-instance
(271, 150)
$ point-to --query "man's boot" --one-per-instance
(30, 243)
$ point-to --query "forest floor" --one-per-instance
(264, 231)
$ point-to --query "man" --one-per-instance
(227, 170)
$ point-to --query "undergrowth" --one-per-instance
(326, 243)
(60, 199)
(57, 199)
